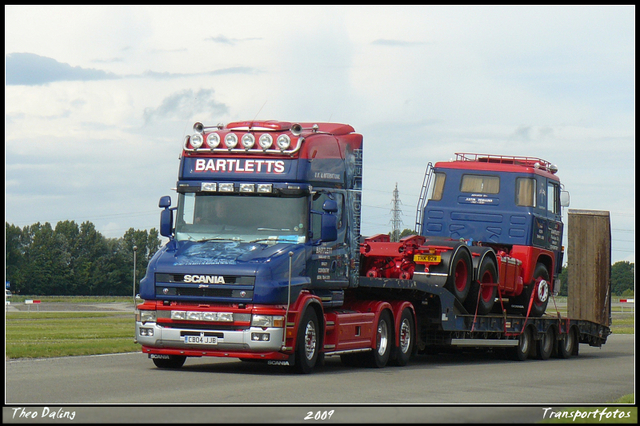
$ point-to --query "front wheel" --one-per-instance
(308, 342)
(174, 361)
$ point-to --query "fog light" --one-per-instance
(260, 337)
(146, 331)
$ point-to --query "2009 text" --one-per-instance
(319, 415)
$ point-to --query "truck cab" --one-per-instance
(512, 204)
(265, 210)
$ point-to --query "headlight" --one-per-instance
(231, 140)
(283, 142)
(267, 321)
(147, 316)
(213, 140)
(248, 140)
(265, 141)
(196, 141)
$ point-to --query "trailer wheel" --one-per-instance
(406, 338)
(487, 273)
(544, 346)
(566, 346)
(459, 281)
(307, 342)
(522, 351)
(174, 361)
(379, 356)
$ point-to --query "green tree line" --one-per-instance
(73, 259)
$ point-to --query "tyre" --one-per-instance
(541, 289)
(540, 286)
(567, 346)
(381, 353)
(483, 297)
(401, 354)
(174, 361)
(522, 351)
(544, 346)
(307, 342)
(459, 280)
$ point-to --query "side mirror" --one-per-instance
(565, 199)
(329, 227)
(166, 217)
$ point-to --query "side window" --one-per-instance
(542, 194)
(526, 192)
(437, 187)
(553, 194)
(480, 184)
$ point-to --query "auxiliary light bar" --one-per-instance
(248, 141)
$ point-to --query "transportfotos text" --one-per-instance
(596, 414)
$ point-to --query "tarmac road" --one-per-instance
(430, 389)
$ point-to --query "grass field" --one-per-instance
(52, 334)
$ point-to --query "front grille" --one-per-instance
(204, 292)
(203, 279)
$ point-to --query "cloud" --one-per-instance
(388, 42)
(30, 69)
(230, 70)
(183, 105)
(230, 41)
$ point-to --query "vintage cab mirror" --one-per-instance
(166, 217)
(565, 199)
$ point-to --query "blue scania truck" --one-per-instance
(265, 260)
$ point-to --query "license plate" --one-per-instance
(427, 258)
(201, 340)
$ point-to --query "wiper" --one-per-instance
(204, 240)
(275, 240)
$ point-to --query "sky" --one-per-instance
(98, 99)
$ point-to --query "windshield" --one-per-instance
(209, 217)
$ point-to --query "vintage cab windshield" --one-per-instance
(247, 218)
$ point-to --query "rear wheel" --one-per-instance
(521, 352)
(566, 346)
(459, 280)
(544, 346)
(307, 342)
(174, 361)
(406, 338)
(380, 354)
(480, 296)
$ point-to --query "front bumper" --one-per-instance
(250, 339)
